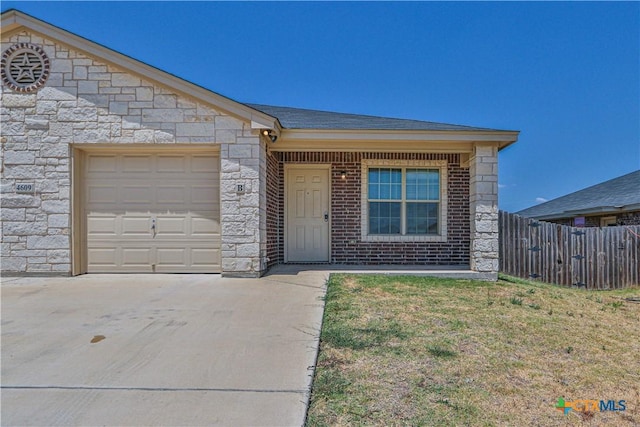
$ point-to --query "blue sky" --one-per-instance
(567, 75)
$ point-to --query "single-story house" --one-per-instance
(111, 165)
(610, 203)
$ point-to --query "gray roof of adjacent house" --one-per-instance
(298, 118)
(620, 194)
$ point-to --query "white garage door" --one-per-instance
(152, 212)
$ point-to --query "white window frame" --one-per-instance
(441, 165)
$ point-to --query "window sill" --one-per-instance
(404, 239)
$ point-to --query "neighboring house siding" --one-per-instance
(626, 218)
(86, 101)
(346, 243)
(629, 218)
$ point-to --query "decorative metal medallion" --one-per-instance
(25, 67)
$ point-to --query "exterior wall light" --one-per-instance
(269, 134)
(343, 174)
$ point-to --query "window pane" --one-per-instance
(396, 184)
(374, 176)
(385, 184)
(423, 184)
(422, 218)
(394, 226)
(396, 191)
(385, 191)
(394, 210)
(384, 217)
(374, 227)
(373, 191)
(385, 176)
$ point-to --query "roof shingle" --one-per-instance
(622, 193)
(299, 118)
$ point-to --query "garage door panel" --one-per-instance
(171, 163)
(204, 194)
(204, 226)
(103, 256)
(127, 192)
(205, 257)
(137, 226)
(172, 194)
(107, 194)
(137, 194)
(171, 257)
(102, 163)
(137, 163)
(204, 164)
(102, 225)
(171, 226)
(136, 257)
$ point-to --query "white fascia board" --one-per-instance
(15, 20)
(404, 135)
(428, 141)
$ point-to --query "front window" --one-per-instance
(404, 200)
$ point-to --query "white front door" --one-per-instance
(307, 214)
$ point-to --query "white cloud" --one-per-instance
(541, 199)
(502, 185)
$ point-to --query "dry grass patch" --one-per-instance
(402, 350)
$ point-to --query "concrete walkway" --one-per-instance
(184, 350)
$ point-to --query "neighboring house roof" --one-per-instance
(299, 118)
(620, 194)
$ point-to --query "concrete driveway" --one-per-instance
(179, 350)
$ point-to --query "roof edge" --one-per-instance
(503, 138)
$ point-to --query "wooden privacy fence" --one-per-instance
(591, 257)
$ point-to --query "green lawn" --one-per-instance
(403, 350)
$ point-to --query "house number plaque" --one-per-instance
(25, 187)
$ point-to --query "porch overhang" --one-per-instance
(390, 140)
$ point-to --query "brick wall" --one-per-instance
(275, 218)
(346, 244)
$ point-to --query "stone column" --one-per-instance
(240, 209)
(483, 200)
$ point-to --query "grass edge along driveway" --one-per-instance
(406, 350)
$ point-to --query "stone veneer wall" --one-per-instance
(483, 197)
(88, 101)
(346, 244)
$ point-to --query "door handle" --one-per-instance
(153, 226)
(326, 216)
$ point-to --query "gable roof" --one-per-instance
(616, 195)
(299, 118)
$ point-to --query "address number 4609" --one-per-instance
(24, 188)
